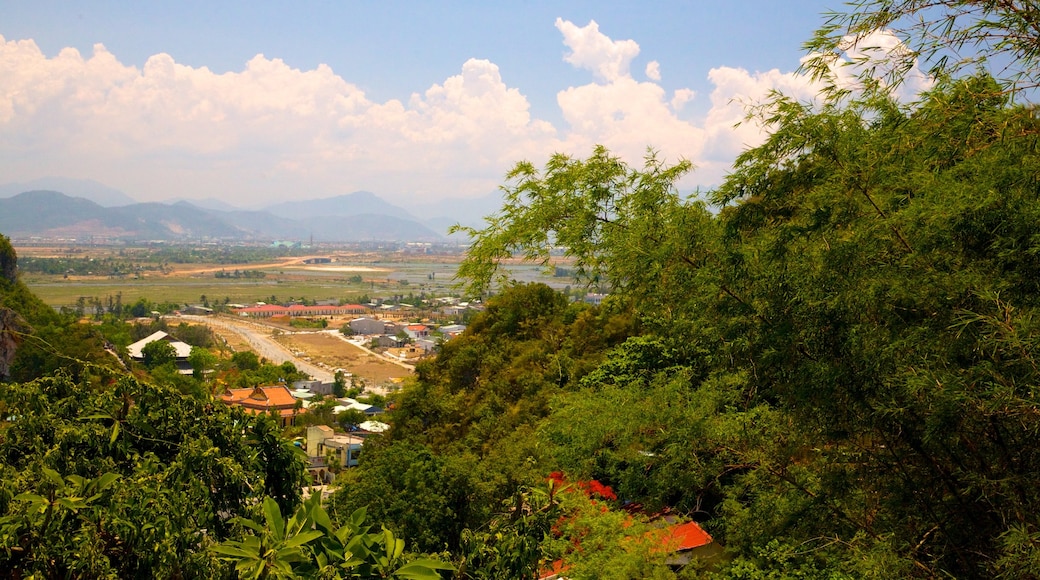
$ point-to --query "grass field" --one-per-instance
(56, 291)
(340, 281)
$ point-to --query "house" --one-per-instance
(297, 310)
(678, 541)
(368, 326)
(373, 427)
(198, 310)
(347, 404)
(417, 331)
(681, 541)
(594, 298)
(454, 310)
(182, 350)
(687, 541)
(328, 452)
(315, 387)
(277, 400)
(384, 341)
(452, 330)
(426, 345)
(406, 353)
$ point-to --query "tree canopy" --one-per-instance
(948, 37)
(845, 350)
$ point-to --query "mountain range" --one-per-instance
(86, 209)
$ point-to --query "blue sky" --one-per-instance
(410, 100)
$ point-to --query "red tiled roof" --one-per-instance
(261, 398)
(688, 536)
(553, 571)
(674, 538)
(274, 309)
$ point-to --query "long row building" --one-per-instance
(294, 310)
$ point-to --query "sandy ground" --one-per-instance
(320, 347)
(232, 339)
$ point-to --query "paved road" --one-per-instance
(259, 337)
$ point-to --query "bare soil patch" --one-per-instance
(336, 353)
(233, 339)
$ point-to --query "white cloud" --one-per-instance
(608, 59)
(681, 97)
(653, 70)
(168, 130)
(270, 131)
(878, 53)
(728, 130)
(629, 116)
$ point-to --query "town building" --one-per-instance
(276, 400)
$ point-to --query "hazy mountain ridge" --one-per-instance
(347, 205)
(89, 189)
(88, 208)
(54, 214)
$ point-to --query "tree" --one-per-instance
(948, 35)
(606, 216)
(201, 360)
(12, 330)
(308, 545)
(158, 353)
(8, 260)
(140, 309)
(131, 481)
(245, 360)
(350, 419)
(339, 384)
(410, 490)
(851, 332)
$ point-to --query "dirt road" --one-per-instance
(259, 339)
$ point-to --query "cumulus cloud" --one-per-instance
(681, 97)
(653, 70)
(629, 116)
(728, 130)
(879, 53)
(269, 130)
(609, 60)
(167, 129)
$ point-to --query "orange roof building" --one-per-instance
(688, 540)
(269, 310)
(273, 399)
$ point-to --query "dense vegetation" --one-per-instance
(839, 365)
(833, 367)
(108, 471)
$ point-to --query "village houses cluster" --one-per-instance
(389, 327)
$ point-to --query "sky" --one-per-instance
(260, 102)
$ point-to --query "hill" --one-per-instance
(351, 204)
(98, 193)
(51, 214)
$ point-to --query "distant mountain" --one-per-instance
(369, 227)
(50, 214)
(205, 203)
(98, 193)
(54, 214)
(351, 204)
(331, 228)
